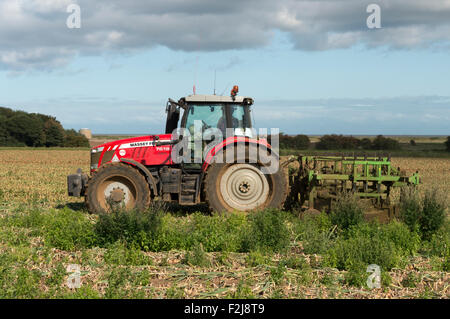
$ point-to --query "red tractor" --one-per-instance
(178, 167)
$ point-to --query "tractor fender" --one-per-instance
(144, 170)
(234, 141)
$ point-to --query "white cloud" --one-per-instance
(33, 33)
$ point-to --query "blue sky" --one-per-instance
(374, 84)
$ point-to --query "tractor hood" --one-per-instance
(147, 150)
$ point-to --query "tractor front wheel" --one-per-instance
(117, 186)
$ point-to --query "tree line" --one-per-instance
(19, 128)
(338, 142)
(341, 142)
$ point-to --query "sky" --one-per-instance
(312, 67)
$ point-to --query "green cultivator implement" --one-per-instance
(320, 179)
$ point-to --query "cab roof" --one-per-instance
(215, 98)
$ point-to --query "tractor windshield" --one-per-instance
(219, 116)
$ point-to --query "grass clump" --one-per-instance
(316, 233)
(347, 211)
(295, 262)
(218, 232)
(133, 227)
(433, 213)
(383, 245)
(277, 273)
(175, 292)
(426, 215)
(411, 280)
(84, 292)
(158, 231)
(197, 257)
(17, 281)
(356, 275)
(256, 258)
(267, 231)
(69, 230)
(119, 254)
(243, 291)
(34, 218)
(117, 279)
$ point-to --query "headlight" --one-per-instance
(96, 150)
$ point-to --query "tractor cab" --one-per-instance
(207, 120)
(210, 112)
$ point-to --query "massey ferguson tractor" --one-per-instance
(210, 153)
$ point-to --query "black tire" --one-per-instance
(117, 185)
(226, 198)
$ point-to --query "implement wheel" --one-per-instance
(117, 186)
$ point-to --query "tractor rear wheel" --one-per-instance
(244, 187)
(117, 186)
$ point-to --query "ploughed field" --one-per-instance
(42, 231)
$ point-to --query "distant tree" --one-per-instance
(337, 142)
(19, 128)
(26, 128)
(75, 139)
(349, 142)
(328, 142)
(447, 143)
(3, 130)
(299, 142)
(385, 143)
(412, 143)
(6, 112)
(366, 143)
(54, 133)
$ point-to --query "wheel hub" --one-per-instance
(244, 187)
(117, 193)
